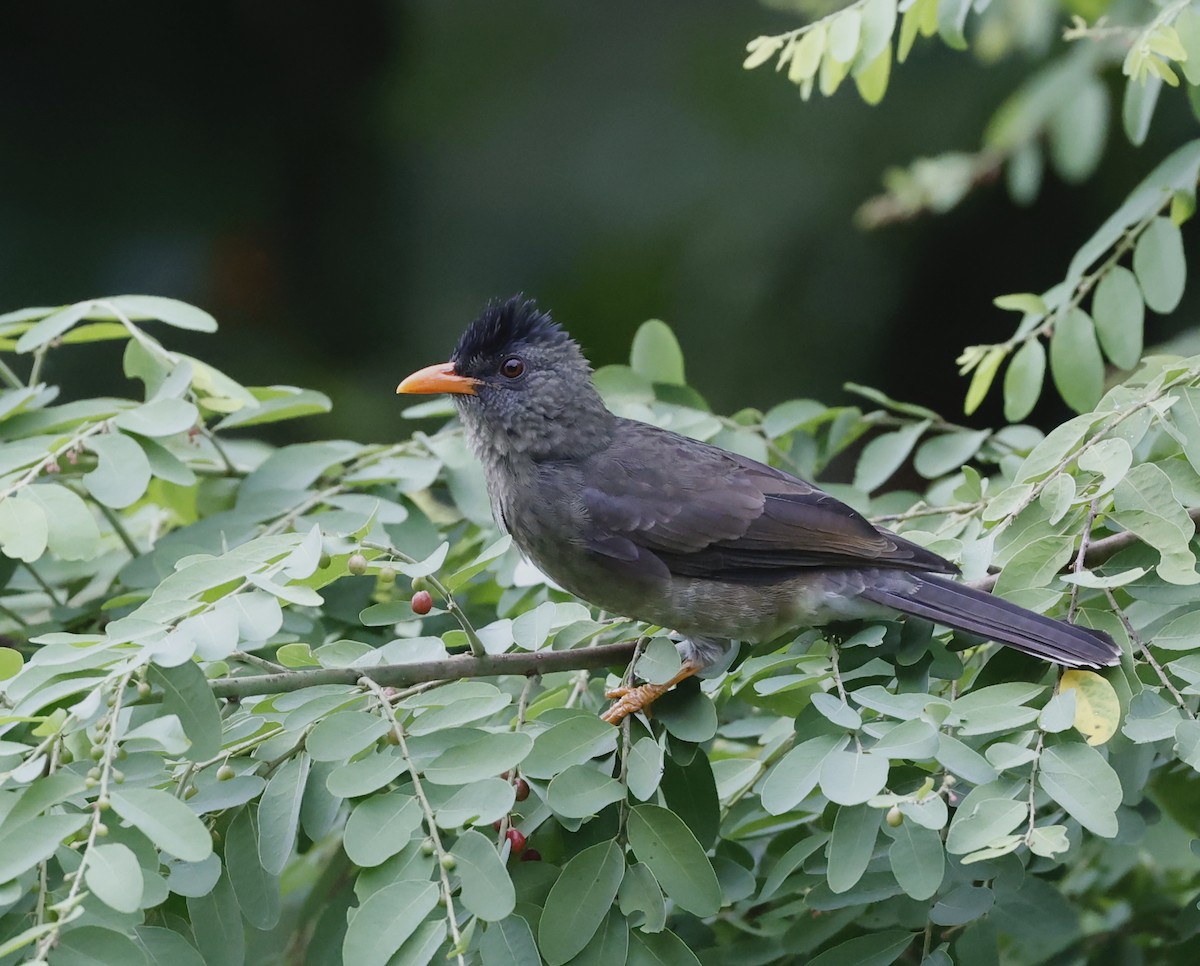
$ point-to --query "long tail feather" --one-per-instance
(976, 612)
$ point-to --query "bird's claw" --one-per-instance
(632, 700)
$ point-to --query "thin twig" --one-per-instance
(452, 606)
(440, 853)
(1141, 646)
(1081, 557)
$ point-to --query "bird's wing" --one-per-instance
(656, 499)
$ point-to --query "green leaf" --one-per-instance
(387, 918)
(488, 755)
(878, 25)
(509, 942)
(1160, 265)
(874, 949)
(365, 775)
(256, 889)
(1075, 361)
(844, 32)
(951, 22)
(641, 899)
(38, 839)
(1119, 315)
(962, 905)
(165, 821)
(123, 473)
(72, 530)
(645, 768)
(610, 944)
(918, 860)
(571, 742)
(344, 734)
(159, 417)
(884, 455)
(186, 694)
(380, 826)
(981, 381)
(659, 662)
(487, 890)
(279, 813)
(1081, 781)
(113, 874)
(1078, 130)
(11, 663)
(690, 791)
(1023, 380)
(165, 947)
(850, 778)
(139, 308)
(947, 452)
(581, 791)
(837, 711)
(914, 740)
(980, 826)
(798, 772)
(661, 841)
(479, 803)
(1027, 303)
(790, 861)
(656, 354)
(24, 529)
(277, 403)
(850, 846)
(579, 900)
(95, 946)
(659, 949)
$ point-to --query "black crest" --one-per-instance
(505, 324)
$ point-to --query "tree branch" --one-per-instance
(402, 675)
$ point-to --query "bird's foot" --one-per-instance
(631, 700)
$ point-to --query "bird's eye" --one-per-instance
(512, 367)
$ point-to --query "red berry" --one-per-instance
(422, 602)
(516, 839)
(522, 789)
(531, 855)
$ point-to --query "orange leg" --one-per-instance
(632, 700)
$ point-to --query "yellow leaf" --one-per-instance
(807, 57)
(1097, 710)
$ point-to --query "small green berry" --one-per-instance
(895, 818)
(357, 564)
(448, 862)
(224, 773)
(427, 847)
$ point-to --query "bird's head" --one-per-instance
(521, 385)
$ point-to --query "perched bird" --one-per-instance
(662, 528)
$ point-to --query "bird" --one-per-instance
(665, 529)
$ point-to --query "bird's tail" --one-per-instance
(966, 609)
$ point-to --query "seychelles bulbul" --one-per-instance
(665, 529)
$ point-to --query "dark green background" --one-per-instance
(344, 185)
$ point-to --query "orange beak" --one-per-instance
(439, 378)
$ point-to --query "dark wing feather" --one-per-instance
(705, 512)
